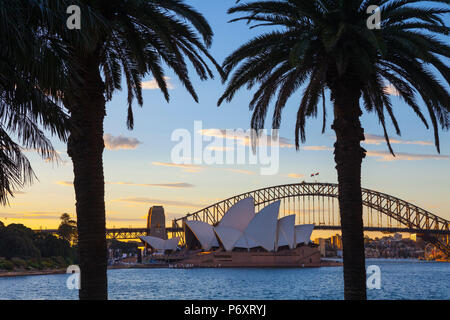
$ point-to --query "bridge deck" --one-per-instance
(126, 233)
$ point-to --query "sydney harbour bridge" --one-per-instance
(317, 203)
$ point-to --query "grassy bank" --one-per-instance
(34, 264)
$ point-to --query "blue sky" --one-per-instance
(417, 175)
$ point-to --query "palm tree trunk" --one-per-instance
(348, 157)
(86, 104)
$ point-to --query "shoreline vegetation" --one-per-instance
(18, 273)
(25, 252)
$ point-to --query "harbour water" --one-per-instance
(400, 279)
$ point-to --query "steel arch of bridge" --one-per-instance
(409, 216)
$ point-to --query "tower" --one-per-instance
(156, 222)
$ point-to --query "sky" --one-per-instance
(139, 171)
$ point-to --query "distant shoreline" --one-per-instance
(326, 262)
(22, 273)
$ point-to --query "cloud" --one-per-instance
(185, 167)
(242, 137)
(55, 155)
(386, 156)
(317, 148)
(34, 215)
(160, 185)
(175, 185)
(296, 175)
(120, 142)
(219, 148)
(124, 219)
(174, 203)
(65, 183)
(197, 168)
(377, 139)
(285, 143)
(240, 171)
(153, 85)
(390, 89)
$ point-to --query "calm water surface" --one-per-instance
(399, 280)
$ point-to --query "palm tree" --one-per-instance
(28, 100)
(327, 45)
(67, 229)
(118, 38)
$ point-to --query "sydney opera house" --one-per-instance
(244, 238)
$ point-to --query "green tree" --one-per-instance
(326, 45)
(118, 38)
(67, 229)
(50, 246)
(16, 240)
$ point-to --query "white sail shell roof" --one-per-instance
(245, 242)
(234, 222)
(228, 236)
(172, 243)
(286, 232)
(239, 215)
(204, 233)
(160, 244)
(262, 230)
(303, 233)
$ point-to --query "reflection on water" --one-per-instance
(399, 280)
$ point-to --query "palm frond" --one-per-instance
(327, 45)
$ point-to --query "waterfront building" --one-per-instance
(322, 246)
(234, 222)
(398, 236)
(242, 238)
(200, 235)
(241, 229)
(159, 245)
(336, 242)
